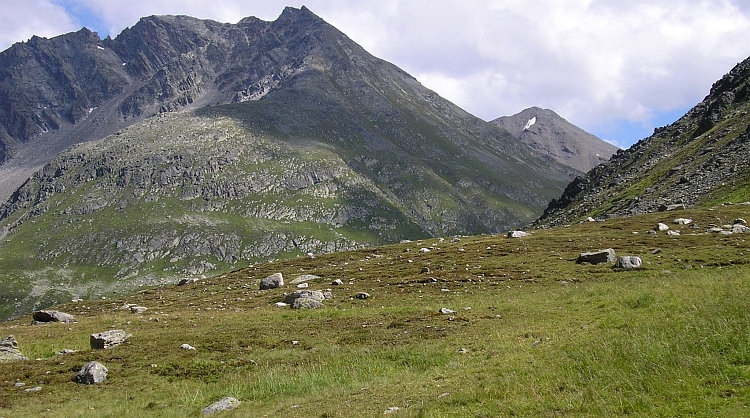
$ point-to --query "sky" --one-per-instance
(616, 68)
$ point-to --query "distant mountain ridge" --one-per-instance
(232, 144)
(701, 159)
(557, 139)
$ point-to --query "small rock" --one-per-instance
(590, 219)
(424, 250)
(183, 282)
(391, 410)
(362, 295)
(656, 251)
(65, 351)
(739, 221)
(303, 279)
(19, 385)
(674, 233)
(303, 285)
(662, 227)
(273, 281)
(678, 206)
(327, 295)
(52, 316)
(462, 351)
(597, 257)
(425, 270)
(138, 309)
(337, 282)
(517, 234)
(739, 228)
(224, 404)
(280, 305)
(91, 373)
(187, 347)
(628, 262)
(446, 311)
(34, 389)
(715, 230)
(307, 303)
(309, 294)
(683, 221)
(108, 339)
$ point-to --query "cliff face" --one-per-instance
(702, 158)
(226, 144)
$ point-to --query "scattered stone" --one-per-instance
(517, 234)
(662, 227)
(462, 351)
(590, 219)
(225, 404)
(337, 282)
(628, 262)
(739, 221)
(307, 303)
(183, 282)
(424, 250)
(280, 304)
(683, 221)
(19, 385)
(446, 311)
(740, 229)
(679, 206)
(303, 279)
(671, 232)
(303, 285)
(327, 295)
(187, 347)
(52, 316)
(597, 257)
(273, 281)
(138, 309)
(656, 251)
(107, 339)
(9, 350)
(65, 351)
(307, 294)
(362, 295)
(715, 229)
(34, 389)
(391, 410)
(91, 373)
(425, 270)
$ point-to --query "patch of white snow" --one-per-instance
(530, 123)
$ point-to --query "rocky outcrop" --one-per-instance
(9, 350)
(700, 158)
(597, 257)
(108, 339)
(52, 316)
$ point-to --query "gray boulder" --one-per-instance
(273, 281)
(307, 303)
(225, 404)
(740, 229)
(91, 373)
(597, 257)
(303, 279)
(517, 234)
(9, 350)
(304, 294)
(362, 295)
(52, 316)
(628, 262)
(107, 339)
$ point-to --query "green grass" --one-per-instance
(533, 334)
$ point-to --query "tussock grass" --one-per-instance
(533, 333)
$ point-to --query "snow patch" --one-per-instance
(530, 123)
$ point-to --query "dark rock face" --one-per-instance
(704, 154)
(556, 139)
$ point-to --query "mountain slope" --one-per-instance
(557, 139)
(702, 158)
(271, 140)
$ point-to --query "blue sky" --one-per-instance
(617, 69)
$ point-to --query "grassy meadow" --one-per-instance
(533, 334)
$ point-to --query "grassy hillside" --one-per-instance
(533, 333)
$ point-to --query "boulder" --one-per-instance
(187, 347)
(303, 279)
(307, 303)
(628, 262)
(225, 404)
(91, 373)
(683, 221)
(517, 234)
(138, 309)
(662, 227)
(304, 294)
(273, 281)
(52, 316)
(107, 339)
(740, 229)
(362, 295)
(597, 257)
(9, 350)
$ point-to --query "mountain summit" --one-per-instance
(557, 139)
(232, 144)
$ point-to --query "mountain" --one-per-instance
(557, 139)
(701, 159)
(232, 144)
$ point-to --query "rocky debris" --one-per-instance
(739, 221)
(337, 282)
(517, 234)
(683, 221)
(362, 295)
(183, 282)
(138, 309)
(673, 232)
(597, 257)
(424, 250)
(65, 351)
(91, 373)
(662, 227)
(391, 410)
(628, 262)
(446, 311)
(740, 229)
(187, 347)
(34, 389)
(304, 278)
(107, 339)
(303, 285)
(52, 316)
(273, 281)
(225, 404)
(9, 350)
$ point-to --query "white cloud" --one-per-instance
(20, 20)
